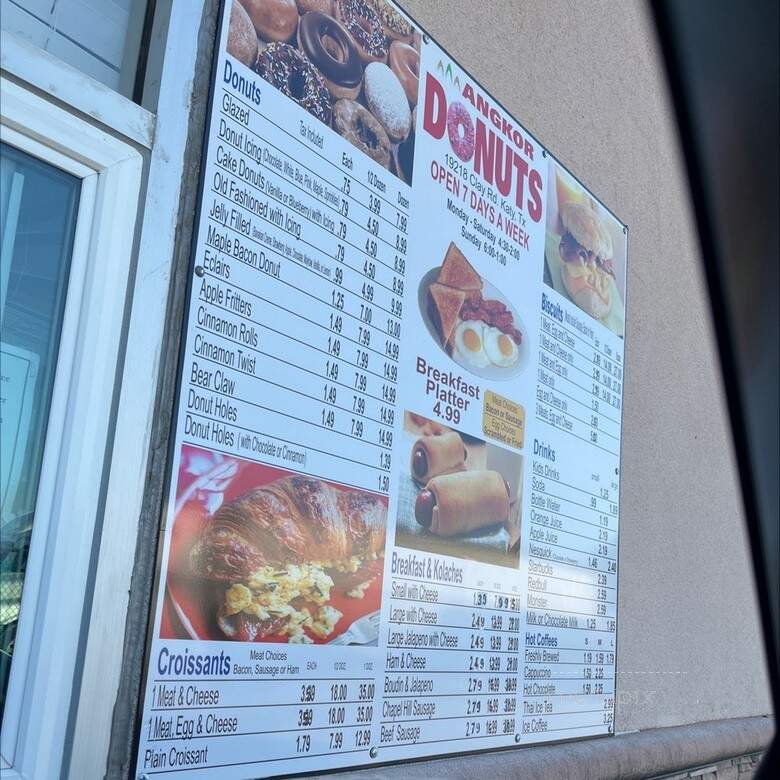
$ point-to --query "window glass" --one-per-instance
(98, 37)
(38, 206)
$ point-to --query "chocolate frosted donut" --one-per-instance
(362, 130)
(329, 48)
(293, 75)
(365, 27)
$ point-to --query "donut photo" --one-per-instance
(352, 64)
(585, 251)
(458, 495)
(261, 554)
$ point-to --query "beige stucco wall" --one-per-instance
(585, 77)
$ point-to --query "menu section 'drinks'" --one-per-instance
(392, 521)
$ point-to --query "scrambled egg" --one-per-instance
(359, 591)
(269, 591)
(325, 619)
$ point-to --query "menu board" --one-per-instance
(392, 526)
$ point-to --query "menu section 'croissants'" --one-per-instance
(295, 519)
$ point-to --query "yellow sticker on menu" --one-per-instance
(503, 420)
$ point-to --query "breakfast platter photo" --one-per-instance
(585, 251)
(471, 320)
(260, 554)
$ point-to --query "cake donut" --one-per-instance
(242, 38)
(460, 129)
(363, 24)
(387, 100)
(394, 25)
(361, 128)
(404, 61)
(323, 6)
(293, 75)
(274, 20)
(329, 48)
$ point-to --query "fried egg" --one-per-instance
(468, 344)
(499, 347)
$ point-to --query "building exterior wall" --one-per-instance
(587, 79)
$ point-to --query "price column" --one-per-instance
(580, 383)
(569, 647)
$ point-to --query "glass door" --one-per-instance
(38, 209)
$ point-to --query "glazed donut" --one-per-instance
(394, 25)
(404, 61)
(460, 129)
(274, 20)
(362, 130)
(363, 24)
(242, 38)
(293, 75)
(329, 48)
(323, 6)
(387, 100)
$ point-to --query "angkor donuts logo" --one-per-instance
(497, 149)
(448, 73)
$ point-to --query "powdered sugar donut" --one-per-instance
(387, 100)
(460, 129)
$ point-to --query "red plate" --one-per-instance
(191, 603)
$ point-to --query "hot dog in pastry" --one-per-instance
(459, 503)
(434, 455)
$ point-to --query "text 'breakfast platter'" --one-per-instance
(392, 523)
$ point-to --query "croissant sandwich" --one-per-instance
(281, 545)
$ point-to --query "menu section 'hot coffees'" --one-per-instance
(392, 522)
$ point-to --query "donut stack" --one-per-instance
(352, 64)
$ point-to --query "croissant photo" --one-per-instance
(284, 558)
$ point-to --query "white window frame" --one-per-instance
(41, 685)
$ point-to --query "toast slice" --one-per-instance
(458, 272)
(444, 305)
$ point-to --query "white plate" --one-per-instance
(489, 293)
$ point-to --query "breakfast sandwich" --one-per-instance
(586, 259)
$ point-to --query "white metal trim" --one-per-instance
(135, 413)
(50, 74)
(41, 683)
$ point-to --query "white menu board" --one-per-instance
(392, 526)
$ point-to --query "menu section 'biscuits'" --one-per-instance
(392, 522)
